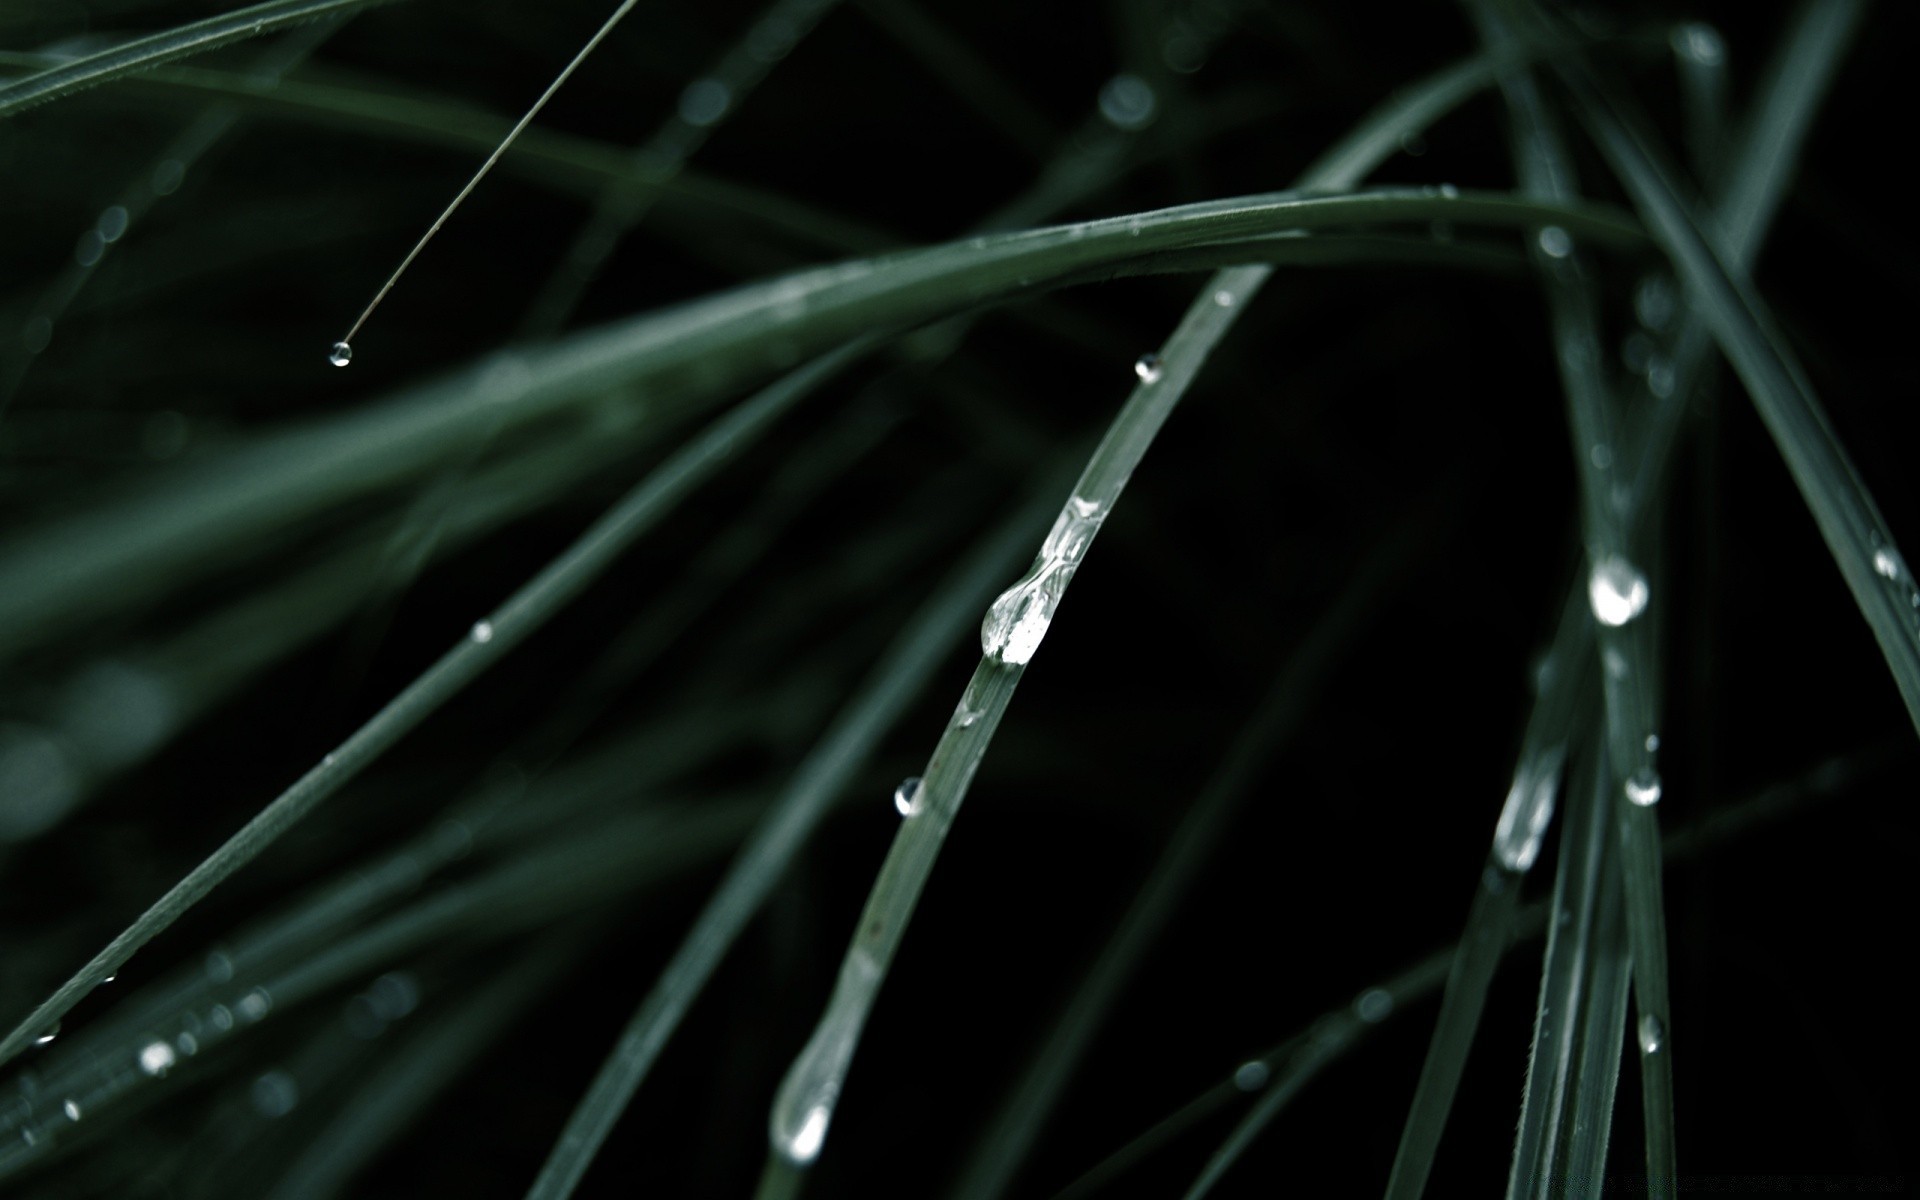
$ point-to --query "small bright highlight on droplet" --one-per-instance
(340, 355)
(71, 1107)
(1617, 591)
(805, 1144)
(156, 1058)
(906, 797)
(1148, 368)
(482, 632)
(1653, 1035)
(1886, 563)
(1643, 788)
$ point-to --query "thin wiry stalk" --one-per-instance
(1003, 1148)
(705, 102)
(1850, 523)
(65, 571)
(490, 638)
(169, 44)
(1018, 621)
(136, 198)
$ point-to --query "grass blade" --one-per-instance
(180, 42)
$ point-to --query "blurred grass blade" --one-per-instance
(1855, 533)
(169, 44)
(523, 612)
(1000, 1152)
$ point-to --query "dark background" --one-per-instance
(1349, 406)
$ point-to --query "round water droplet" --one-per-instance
(1601, 456)
(1653, 1035)
(1148, 368)
(1555, 242)
(1128, 102)
(1643, 787)
(275, 1094)
(1660, 377)
(1617, 590)
(482, 632)
(113, 223)
(1374, 1005)
(1223, 298)
(340, 355)
(1654, 302)
(187, 1044)
(1653, 743)
(1252, 1076)
(156, 1058)
(906, 797)
(1412, 145)
(705, 101)
(71, 1107)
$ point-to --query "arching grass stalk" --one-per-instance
(904, 669)
(136, 198)
(1378, 1004)
(1000, 1152)
(169, 44)
(1849, 521)
(489, 639)
(1018, 621)
(66, 571)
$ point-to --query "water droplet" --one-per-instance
(1528, 810)
(187, 1044)
(111, 978)
(1019, 618)
(705, 101)
(1653, 743)
(1661, 377)
(254, 1004)
(1252, 1076)
(1887, 563)
(71, 1107)
(156, 1058)
(1601, 456)
(220, 1017)
(1617, 591)
(965, 717)
(1412, 145)
(112, 224)
(1643, 787)
(90, 248)
(906, 797)
(340, 355)
(1653, 1035)
(1449, 192)
(46, 1039)
(1223, 298)
(803, 1145)
(1148, 368)
(1555, 242)
(1654, 302)
(219, 967)
(275, 1094)
(36, 334)
(1374, 1005)
(1128, 102)
(482, 632)
(28, 1136)
(1701, 43)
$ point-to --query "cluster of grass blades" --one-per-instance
(531, 760)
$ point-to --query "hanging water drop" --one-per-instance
(46, 1038)
(1147, 367)
(1617, 590)
(906, 797)
(340, 355)
(1643, 787)
(1653, 1035)
(1555, 242)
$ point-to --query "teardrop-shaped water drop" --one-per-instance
(906, 797)
(1148, 368)
(71, 1107)
(1653, 1035)
(53, 1031)
(1643, 787)
(340, 355)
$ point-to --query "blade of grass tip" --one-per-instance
(136, 198)
(165, 46)
(489, 639)
(705, 103)
(1849, 521)
(691, 353)
(342, 352)
(1018, 620)
(903, 670)
(1000, 1152)
(1381, 1002)
(1620, 595)
(423, 1068)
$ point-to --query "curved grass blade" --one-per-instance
(1018, 621)
(1002, 1149)
(67, 571)
(491, 637)
(180, 42)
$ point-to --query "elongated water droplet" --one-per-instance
(1148, 368)
(156, 1058)
(71, 1107)
(1555, 242)
(340, 355)
(1653, 1035)
(1528, 810)
(53, 1031)
(1019, 618)
(1617, 591)
(1643, 787)
(906, 797)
